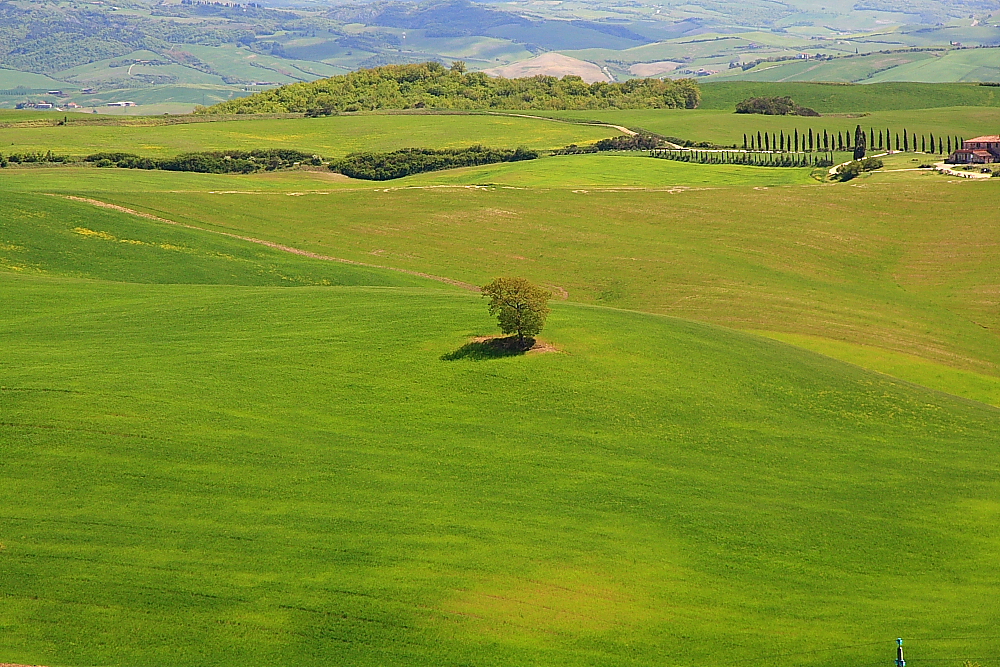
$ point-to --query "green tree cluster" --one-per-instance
(397, 164)
(773, 106)
(210, 162)
(634, 142)
(433, 86)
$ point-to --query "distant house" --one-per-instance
(981, 150)
(121, 104)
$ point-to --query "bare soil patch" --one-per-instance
(654, 69)
(551, 64)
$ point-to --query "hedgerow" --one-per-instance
(210, 162)
(397, 164)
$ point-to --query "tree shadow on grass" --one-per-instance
(484, 348)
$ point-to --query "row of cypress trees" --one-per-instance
(758, 159)
(813, 141)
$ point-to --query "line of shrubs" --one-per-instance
(210, 162)
(29, 158)
(397, 164)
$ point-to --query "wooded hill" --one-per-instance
(433, 86)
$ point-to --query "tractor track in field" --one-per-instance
(270, 244)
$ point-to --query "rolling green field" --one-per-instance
(839, 98)
(727, 128)
(219, 452)
(974, 65)
(330, 137)
(879, 272)
(242, 474)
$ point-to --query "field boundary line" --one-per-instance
(270, 244)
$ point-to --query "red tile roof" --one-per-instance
(990, 138)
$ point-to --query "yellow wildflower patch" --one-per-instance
(83, 231)
(11, 247)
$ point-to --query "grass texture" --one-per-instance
(207, 475)
(217, 453)
(728, 127)
(872, 262)
(330, 137)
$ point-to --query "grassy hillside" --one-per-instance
(840, 98)
(53, 236)
(218, 453)
(330, 137)
(877, 272)
(719, 261)
(233, 475)
(727, 127)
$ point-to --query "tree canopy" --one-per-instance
(773, 106)
(519, 306)
(433, 86)
(407, 161)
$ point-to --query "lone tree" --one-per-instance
(519, 306)
(859, 143)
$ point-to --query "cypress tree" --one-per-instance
(932, 143)
(826, 141)
(782, 141)
(897, 141)
(923, 144)
(796, 140)
(744, 141)
(906, 141)
(860, 147)
(888, 139)
(810, 139)
(949, 144)
(759, 142)
(871, 137)
(767, 142)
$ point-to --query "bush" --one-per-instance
(773, 106)
(432, 86)
(854, 168)
(635, 142)
(397, 164)
(30, 158)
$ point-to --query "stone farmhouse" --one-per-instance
(981, 150)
